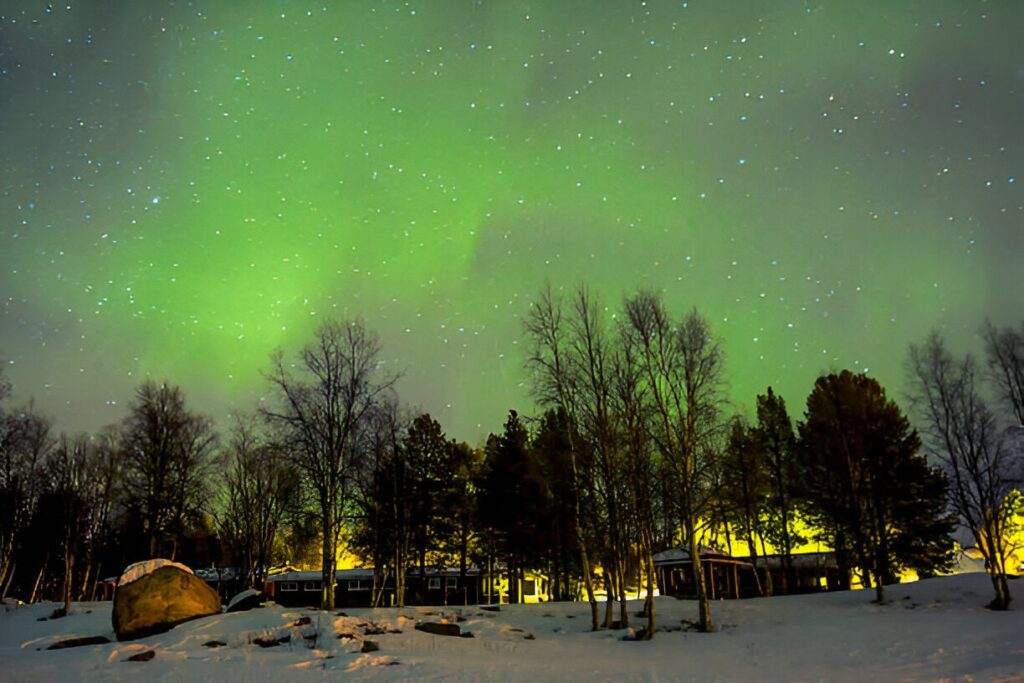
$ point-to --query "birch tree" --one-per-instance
(321, 403)
(682, 363)
(982, 465)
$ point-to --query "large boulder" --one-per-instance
(157, 596)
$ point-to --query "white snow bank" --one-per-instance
(936, 629)
(136, 571)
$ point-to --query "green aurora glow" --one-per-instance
(187, 186)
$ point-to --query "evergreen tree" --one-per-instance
(551, 447)
(425, 450)
(746, 486)
(513, 500)
(867, 486)
(774, 438)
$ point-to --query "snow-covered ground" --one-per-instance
(933, 630)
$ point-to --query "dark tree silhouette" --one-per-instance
(746, 488)
(513, 500)
(775, 439)
(261, 488)
(25, 442)
(982, 465)
(168, 460)
(867, 483)
(323, 403)
(682, 365)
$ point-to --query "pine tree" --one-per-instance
(774, 438)
(867, 484)
(513, 500)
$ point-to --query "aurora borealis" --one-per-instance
(188, 185)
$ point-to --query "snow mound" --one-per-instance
(136, 571)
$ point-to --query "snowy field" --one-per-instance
(934, 630)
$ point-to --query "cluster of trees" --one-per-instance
(74, 507)
(973, 417)
(636, 450)
(658, 460)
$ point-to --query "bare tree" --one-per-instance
(384, 500)
(168, 459)
(104, 476)
(982, 467)
(68, 470)
(25, 441)
(554, 384)
(323, 402)
(682, 363)
(1004, 350)
(640, 466)
(591, 364)
(260, 488)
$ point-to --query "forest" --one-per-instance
(633, 448)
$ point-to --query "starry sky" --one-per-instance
(188, 185)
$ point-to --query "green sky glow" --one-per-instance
(187, 187)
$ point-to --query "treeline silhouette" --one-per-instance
(634, 450)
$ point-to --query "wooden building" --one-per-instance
(444, 586)
(812, 572)
(725, 576)
(355, 587)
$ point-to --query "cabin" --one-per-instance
(725, 575)
(295, 588)
(812, 572)
(355, 587)
(444, 586)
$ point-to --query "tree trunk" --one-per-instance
(84, 590)
(7, 584)
(609, 588)
(1002, 599)
(703, 606)
(95, 581)
(39, 580)
(652, 625)
(327, 569)
(69, 566)
(6, 559)
(995, 566)
(399, 578)
(490, 580)
(588, 581)
(623, 607)
(769, 588)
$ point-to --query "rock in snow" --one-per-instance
(934, 629)
(246, 600)
(136, 571)
(157, 600)
(439, 629)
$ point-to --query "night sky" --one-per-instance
(186, 186)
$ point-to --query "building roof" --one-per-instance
(819, 560)
(364, 573)
(681, 556)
